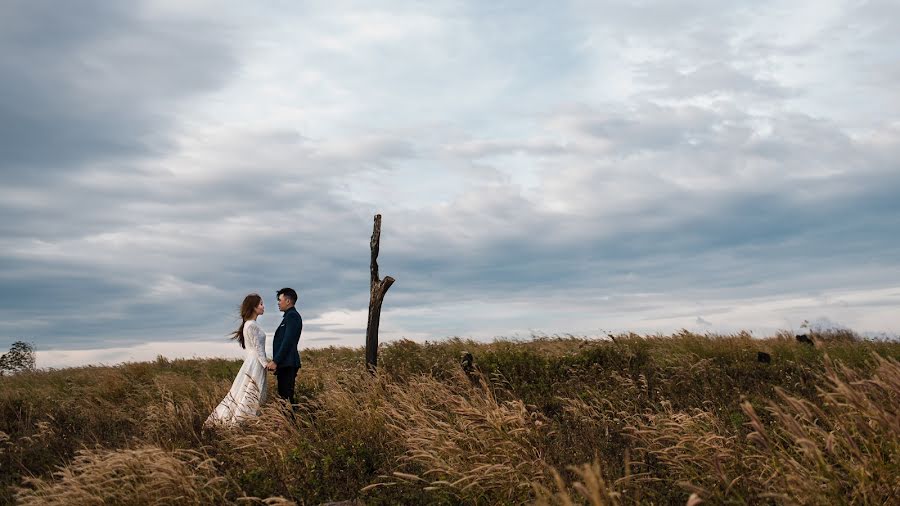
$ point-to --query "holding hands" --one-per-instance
(271, 365)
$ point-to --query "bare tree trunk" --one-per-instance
(378, 287)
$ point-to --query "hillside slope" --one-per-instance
(552, 420)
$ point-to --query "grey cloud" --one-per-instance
(373, 149)
(361, 331)
(775, 228)
(718, 78)
(96, 80)
(146, 238)
(475, 148)
(491, 243)
(230, 232)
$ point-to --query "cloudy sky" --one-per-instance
(542, 168)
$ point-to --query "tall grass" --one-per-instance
(133, 476)
(681, 419)
(458, 436)
(847, 446)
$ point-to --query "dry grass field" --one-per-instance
(679, 419)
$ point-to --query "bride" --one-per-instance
(250, 386)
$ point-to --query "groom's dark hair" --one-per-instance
(288, 293)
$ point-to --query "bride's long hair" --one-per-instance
(247, 308)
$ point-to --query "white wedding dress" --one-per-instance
(250, 386)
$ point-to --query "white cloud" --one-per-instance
(139, 353)
(170, 287)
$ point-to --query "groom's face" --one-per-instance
(283, 303)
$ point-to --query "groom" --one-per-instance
(285, 357)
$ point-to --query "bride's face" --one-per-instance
(261, 308)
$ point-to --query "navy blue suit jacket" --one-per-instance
(287, 337)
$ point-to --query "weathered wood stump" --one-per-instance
(377, 289)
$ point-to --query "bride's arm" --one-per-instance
(260, 346)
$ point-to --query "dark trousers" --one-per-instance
(287, 377)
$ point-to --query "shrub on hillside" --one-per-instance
(21, 357)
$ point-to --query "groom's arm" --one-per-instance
(295, 339)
